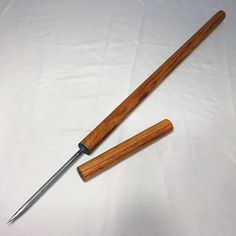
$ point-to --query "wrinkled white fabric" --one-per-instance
(64, 65)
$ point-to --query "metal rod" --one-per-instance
(45, 187)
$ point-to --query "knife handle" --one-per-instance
(94, 138)
(118, 153)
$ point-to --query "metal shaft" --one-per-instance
(46, 186)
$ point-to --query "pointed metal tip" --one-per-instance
(10, 221)
(13, 218)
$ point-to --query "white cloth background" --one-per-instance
(64, 65)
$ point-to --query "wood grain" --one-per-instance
(94, 138)
(118, 153)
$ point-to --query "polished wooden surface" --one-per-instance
(118, 153)
(94, 138)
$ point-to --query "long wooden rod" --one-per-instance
(94, 138)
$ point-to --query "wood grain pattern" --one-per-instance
(124, 109)
(118, 153)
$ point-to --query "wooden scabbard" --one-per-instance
(123, 150)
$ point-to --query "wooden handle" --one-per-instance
(118, 153)
(124, 109)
